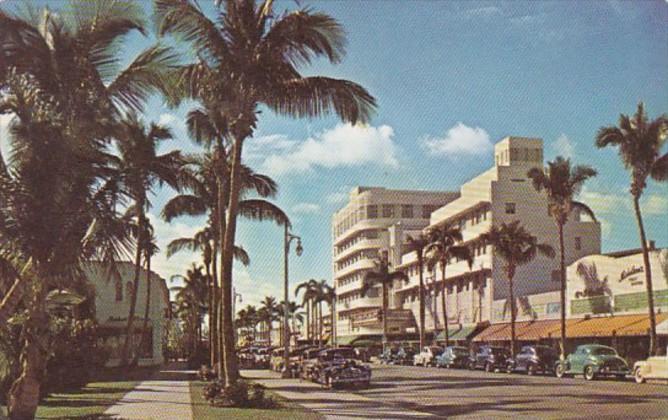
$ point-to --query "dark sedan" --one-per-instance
(490, 358)
(534, 359)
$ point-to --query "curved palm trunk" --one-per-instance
(24, 393)
(147, 307)
(444, 306)
(129, 329)
(648, 277)
(562, 290)
(511, 294)
(421, 293)
(385, 304)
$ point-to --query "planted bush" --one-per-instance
(239, 395)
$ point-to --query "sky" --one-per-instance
(451, 79)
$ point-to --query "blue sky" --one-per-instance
(448, 75)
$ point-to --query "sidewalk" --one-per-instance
(166, 396)
(333, 404)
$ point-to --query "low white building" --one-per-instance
(112, 305)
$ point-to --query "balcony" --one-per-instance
(359, 246)
(348, 287)
(359, 265)
(365, 302)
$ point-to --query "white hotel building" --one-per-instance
(474, 296)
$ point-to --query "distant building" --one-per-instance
(112, 305)
(359, 231)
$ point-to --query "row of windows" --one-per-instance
(387, 211)
(362, 236)
(367, 254)
(372, 293)
(460, 287)
(350, 278)
(516, 154)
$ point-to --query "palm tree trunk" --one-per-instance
(129, 330)
(421, 293)
(384, 305)
(511, 294)
(322, 324)
(135, 360)
(444, 307)
(562, 289)
(331, 321)
(24, 393)
(211, 310)
(216, 314)
(648, 277)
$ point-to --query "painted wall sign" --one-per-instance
(630, 271)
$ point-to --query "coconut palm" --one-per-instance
(516, 247)
(150, 248)
(418, 244)
(270, 307)
(248, 58)
(328, 295)
(294, 314)
(382, 275)
(308, 301)
(562, 182)
(321, 295)
(640, 142)
(191, 299)
(441, 249)
(60, 79)
(140, 168)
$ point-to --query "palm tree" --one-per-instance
(321, 295)
(150, 248)
(294, 313)
(418, 245)
(382, 275)
(441, 249)
(271, 308)
(250, 57)
(140, 167)
(640, 143)
(562, 182)
(516, 247)
(191, 300)
(59, 79)
(329, 296)
(308, 301)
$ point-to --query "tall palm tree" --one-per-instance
(248, 58)
(271, 308)
(191, 299)
(516, 247)
(294, 313)
(308, 301)
(562, 182)
(321, 295)
(60, 79)
(382, 275)
(140, 168)
(418, 245)
(640, 143)
(329, 297)
(150, 248)
(441, 249)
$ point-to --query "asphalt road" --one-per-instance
(456, 393)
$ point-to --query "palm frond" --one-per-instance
(184, 204)
(241, 255)
(260, 210)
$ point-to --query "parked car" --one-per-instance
(453, 356)
(388, 355)
(490, 358)
(534, 359)
(591, 361)
(653, 368)
(261, 357)
(427, 357)
(276, 360)
(404, 356)
(309, 360)
(337, 367)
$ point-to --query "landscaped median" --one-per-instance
(283, 409)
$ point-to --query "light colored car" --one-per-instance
(653, 368)
(427, 357)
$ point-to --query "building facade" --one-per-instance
(502, 194)
(359, 231)
(112, 304)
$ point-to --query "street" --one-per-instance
(455, 392)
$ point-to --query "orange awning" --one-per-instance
(602, 326)
(500, 332)
(641, 327)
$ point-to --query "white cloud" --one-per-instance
(165, 233)
(306, 208)
(459, 140)
(342, 146)
(609, 203)
(484, 11)
(263, 146)
(563, 146)
(253, 290)
(654, 205)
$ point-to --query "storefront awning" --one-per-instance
(602, 326)
(662, 327)
(642, 327)
(494, 332)
(348, 340)
(461, 333)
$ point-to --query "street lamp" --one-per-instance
(288, 237)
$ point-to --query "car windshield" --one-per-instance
(340, 353)
(498, 351)
(460, 351)
(603, 351)
(546, 351)
(436, 350)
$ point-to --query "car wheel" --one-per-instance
(425, 364)
(638, 376)
(560, 371)
(509, 369)
(531, 370)
(488, 368)
(471, 366)
(589, 373)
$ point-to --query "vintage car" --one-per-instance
(276, 360)
(427, 357)
(261, 357)
(453, 356)
(591, 361)
(404, 356)
(653, 368)
(309, 359)
(338, 367)
(534, 359)
(490, 358)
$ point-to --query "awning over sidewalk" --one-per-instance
(602, 326)
(642, 327)
(463, 332)
(662, 327)
(348, 340)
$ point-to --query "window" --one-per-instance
(578, 243)
(372, 211)
(407, 211)
(510, 208)
(388, 210)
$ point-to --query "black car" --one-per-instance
(490, 358)
(534, 359)
(337, 367)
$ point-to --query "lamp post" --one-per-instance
(235, 295)
(286, 332)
